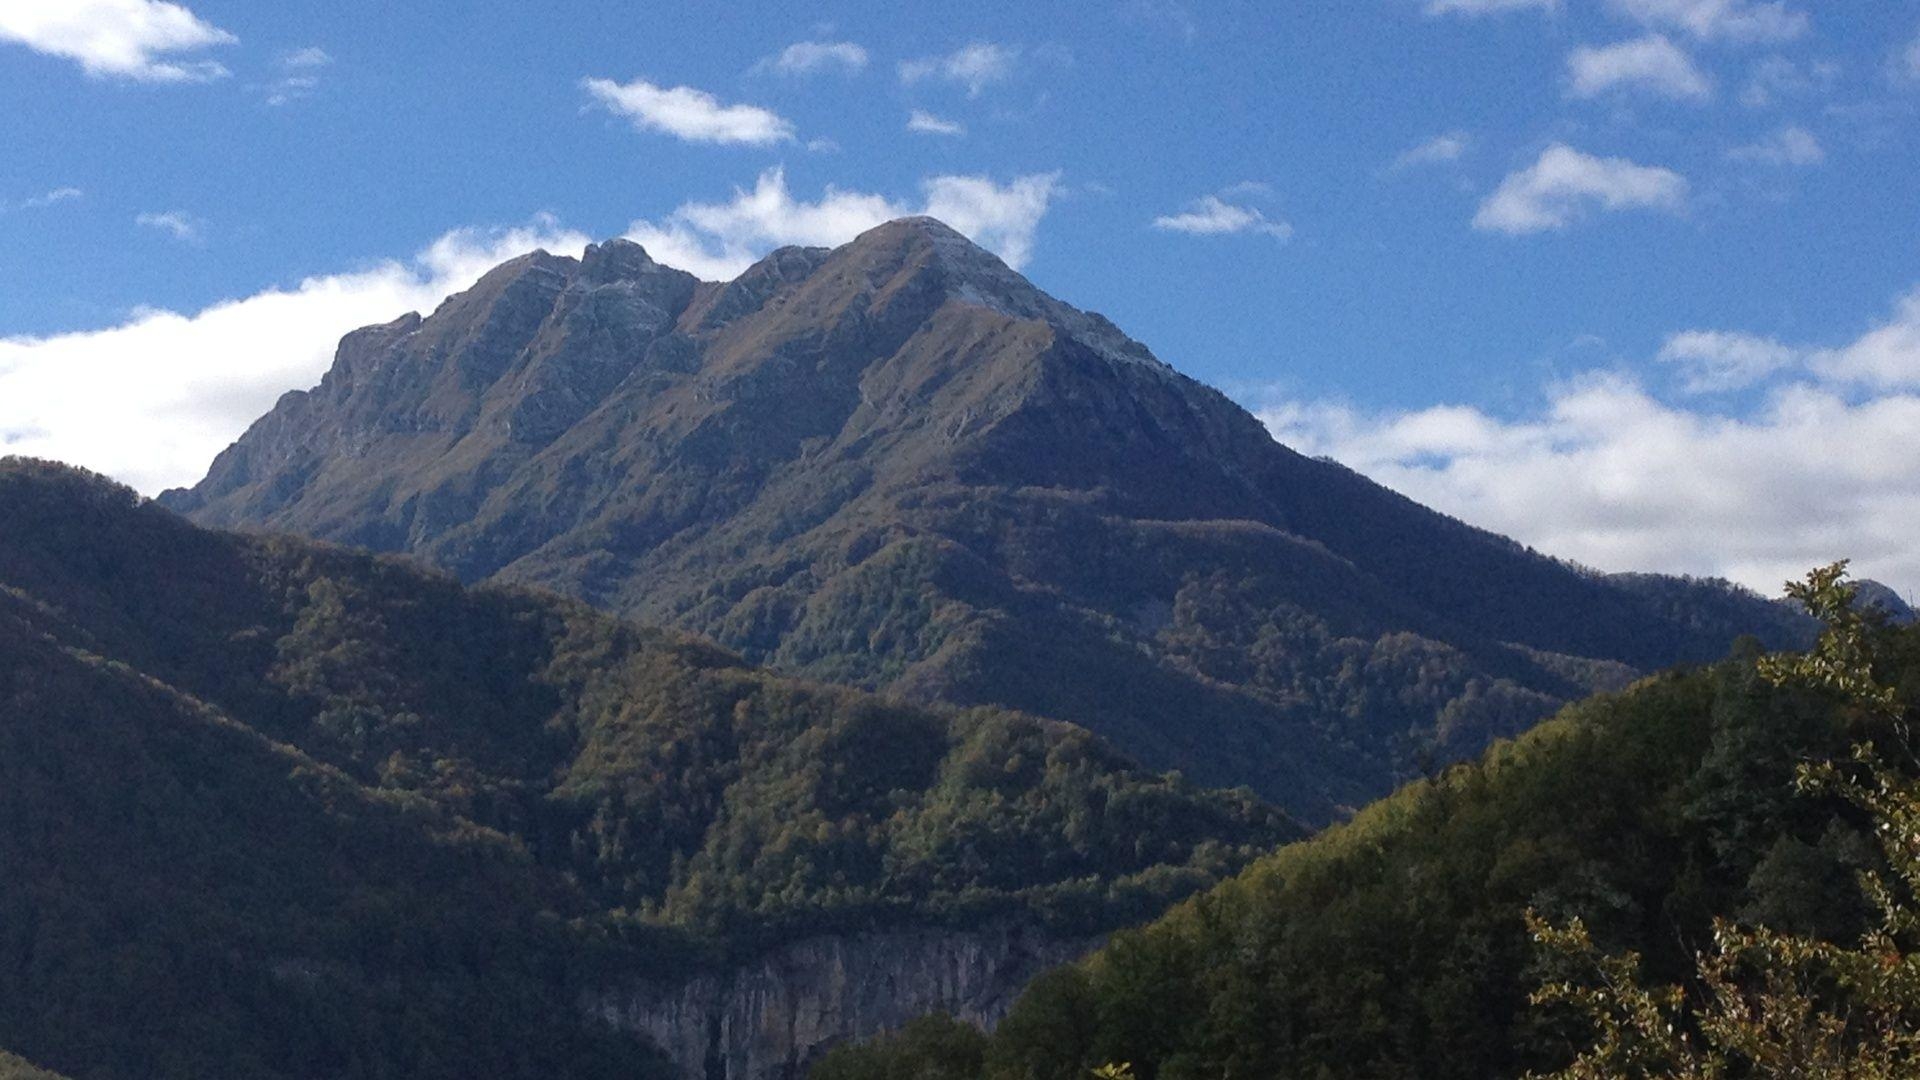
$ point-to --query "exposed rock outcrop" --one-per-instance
(773, 1017)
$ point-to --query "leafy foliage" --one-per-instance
(1774, 1003)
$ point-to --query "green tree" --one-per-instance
(1767, 1002)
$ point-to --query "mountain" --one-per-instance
(899, 465)
(1395, 945)
(271, 808)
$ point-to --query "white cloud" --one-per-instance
(312, 56)
(1441, 148)
(42, 201)
(1565, 183)
(718, 240)
(690, 114)
(815, 57)
(1712, 361)
(150, 401)
(129, 39)
(1611, 476)
(1910, 59)
(1886, 357)
(1739, 21)
(1488, 7)
(1652, 64)
(1777, 76)
(976, 66)
(299, 76)
(178, 223)
(926, 123)
(1214, 216)
(1789, 145)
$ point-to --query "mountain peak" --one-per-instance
(974, 275)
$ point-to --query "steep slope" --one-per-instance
(899, 465)
(1395, 945)
(274, 809)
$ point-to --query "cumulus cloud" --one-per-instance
(1488, 7)
(690, 114)
(1565, 184)
(177, 223)
(815, 57)
(717, 240)
(1610, 474)
(1738, 21)
(925, 123)
(1651, 64)
(976, 66)
(129, 39)
(152, 399)
(1215, 216)
(1451, 146)
(1789, 145)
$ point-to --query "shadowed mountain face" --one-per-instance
(899, 465)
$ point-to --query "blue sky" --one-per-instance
(1632, 280)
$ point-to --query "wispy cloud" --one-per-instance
(689, 114)
(1212, 215)
(1737, 21)
(717, 240)
(815, 57)
(1789, 145)
(176, 223)
(153, 398)
(299, 75)
(1774, 77)
(1612, 474)
(1651, 64)
(312, 56)
(925, 123)
(141, 40)
(1488, 7)
(46, 199)
(1714, 361)
(976, 66)
(1565, 184)
(1440, 149)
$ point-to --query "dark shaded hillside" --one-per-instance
(1394, 945)
(899, 465)
(274, 809)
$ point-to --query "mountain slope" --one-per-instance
(897, 464)
(1395, 945)
(274, 809)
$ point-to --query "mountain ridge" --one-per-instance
(898, 464)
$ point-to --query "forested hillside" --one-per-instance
(1396, 946)
(274, 809)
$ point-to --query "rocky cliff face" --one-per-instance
(772, 1018)
(899, 465)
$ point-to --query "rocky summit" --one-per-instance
(898, 464)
